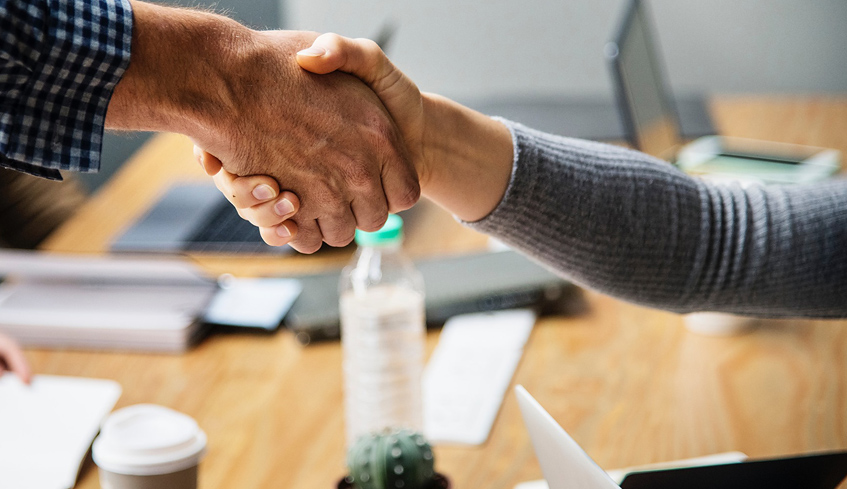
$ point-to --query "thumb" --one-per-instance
(364, 59)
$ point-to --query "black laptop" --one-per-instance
(193, 217)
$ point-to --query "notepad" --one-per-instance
(47, 428)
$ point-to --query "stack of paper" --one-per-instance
(46, 428)
(114, 303)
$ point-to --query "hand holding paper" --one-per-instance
(12, 358)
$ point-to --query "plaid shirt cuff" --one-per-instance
(59, 63)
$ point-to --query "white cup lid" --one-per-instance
(146, 439)
(717, 323)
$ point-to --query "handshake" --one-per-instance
(352, 158)
(309, 137)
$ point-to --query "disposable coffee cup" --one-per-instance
(149, 447)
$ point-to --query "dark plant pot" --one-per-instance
(438, 482)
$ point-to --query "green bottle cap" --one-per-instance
(390, 233)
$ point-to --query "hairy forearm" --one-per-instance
(468, 159)
(177, 78)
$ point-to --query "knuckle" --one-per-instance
(331, 38)
(382, 128)
(340, 241)
(338, 233)
(373, 221)
(270, 237)
(369, 46)
(306, 248)
(405, 197)
(264, 220)
(346, 241)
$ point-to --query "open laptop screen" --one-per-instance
(649, 116)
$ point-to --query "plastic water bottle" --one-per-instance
(382, 334)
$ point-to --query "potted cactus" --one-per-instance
(395, 459)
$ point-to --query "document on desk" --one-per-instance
(76, 301)
(37, 266)
(47, 428)
(156, 318)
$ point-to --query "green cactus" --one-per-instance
(398, 459)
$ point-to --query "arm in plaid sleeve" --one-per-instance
(59, 63)
(65, 74)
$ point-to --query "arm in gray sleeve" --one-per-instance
(635, 227)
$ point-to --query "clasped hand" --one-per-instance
(356, 189)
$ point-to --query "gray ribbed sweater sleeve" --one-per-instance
(635, 227)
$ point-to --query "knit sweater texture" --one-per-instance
(635, 227)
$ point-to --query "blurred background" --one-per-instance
(475, 50)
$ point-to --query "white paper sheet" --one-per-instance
(46, 428)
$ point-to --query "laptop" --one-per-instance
(193, 217)
(651, 121)
(454, 285)
(565, 465)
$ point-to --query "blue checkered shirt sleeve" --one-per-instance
(59, 63)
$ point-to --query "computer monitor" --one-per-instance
(647, 109)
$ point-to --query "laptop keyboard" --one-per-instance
(226, 232)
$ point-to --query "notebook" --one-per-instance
(92, 302)
(148, 303)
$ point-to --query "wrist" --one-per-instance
(178, 78)
(468, 158)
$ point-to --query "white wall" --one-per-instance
(473, 48)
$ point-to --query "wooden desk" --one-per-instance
(629, 383)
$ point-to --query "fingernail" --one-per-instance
(282, 231)
(314, 51)
(263, 192)
(284, 207)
